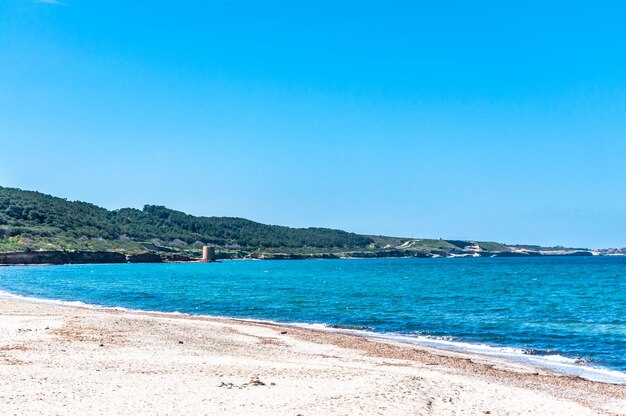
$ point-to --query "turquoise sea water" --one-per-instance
(568, 313)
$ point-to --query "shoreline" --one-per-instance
(64, 257)
(559, 365)
(425, 379)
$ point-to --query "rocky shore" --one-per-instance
(107, 257)
(85, 257)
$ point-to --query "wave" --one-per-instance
(544, 359)
(30, 299)
(77, 303)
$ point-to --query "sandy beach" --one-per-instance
(58, 360)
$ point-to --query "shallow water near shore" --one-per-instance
(566, 313)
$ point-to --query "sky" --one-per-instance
(483, 120)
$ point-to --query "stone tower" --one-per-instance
(208, 253)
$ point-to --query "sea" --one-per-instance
(563, 313)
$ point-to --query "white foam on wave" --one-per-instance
(555, 362)
(75, 303)
(29, 299)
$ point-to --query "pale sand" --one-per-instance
(79, 361)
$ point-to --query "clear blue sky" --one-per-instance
(476, 120)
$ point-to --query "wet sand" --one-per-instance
(72, 360)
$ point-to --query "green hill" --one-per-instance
(35, 222)
(57, 221)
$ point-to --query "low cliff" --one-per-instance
(89, 257)
(82, 257)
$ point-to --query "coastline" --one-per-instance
(72, 358)
(554, 362)
(64, 257)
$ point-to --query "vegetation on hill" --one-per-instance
(33, 215)
(32, 221)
